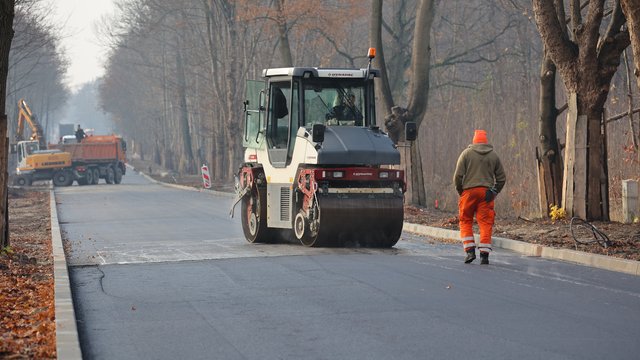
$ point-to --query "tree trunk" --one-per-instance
(418, 97)
(418, 193)
(186, 163)
(585, 165)
(233, 115)
(383, 90)
(587, 66)
(634, 140)
(419, 93)
(7, 11)
(283, 37)
(632, 13)
(218, 154)
(548, 154)
(595, 164)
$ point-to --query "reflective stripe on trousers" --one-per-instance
(472, 201)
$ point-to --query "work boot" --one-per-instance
(471, 255)
(484, 258)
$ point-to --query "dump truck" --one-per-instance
(86, 162)
(96, 157)
(316, 166)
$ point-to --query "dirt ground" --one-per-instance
(27, 311)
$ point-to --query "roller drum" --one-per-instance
(359, 220)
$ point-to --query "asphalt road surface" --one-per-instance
(163, 273)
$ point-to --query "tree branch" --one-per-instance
(561, 50)
(622, 115)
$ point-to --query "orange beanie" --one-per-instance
(480, 137)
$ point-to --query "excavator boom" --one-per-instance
(26, 116)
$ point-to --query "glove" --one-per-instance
(490, 195)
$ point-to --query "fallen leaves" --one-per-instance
(27, 308)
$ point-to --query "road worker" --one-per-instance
(80, 134)
(479, 178)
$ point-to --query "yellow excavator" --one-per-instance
(35, 162)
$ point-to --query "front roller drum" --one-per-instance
(356, 220)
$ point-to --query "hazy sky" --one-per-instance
(78, 20)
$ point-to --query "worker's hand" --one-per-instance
(490, 195)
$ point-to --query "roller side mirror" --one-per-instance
(410, 131)
(317, 133)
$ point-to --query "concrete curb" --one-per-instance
(67, 341)
(578, 257)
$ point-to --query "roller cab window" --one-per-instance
(336, 103)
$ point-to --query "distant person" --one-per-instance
(80, 134)
(479, 178)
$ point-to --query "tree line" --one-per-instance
(175, 83)
(33, 67)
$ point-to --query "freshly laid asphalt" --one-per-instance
(161, 273)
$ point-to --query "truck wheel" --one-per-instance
(23, 180)
(96, 176)
(89, 177)
(117, 175)
(254, 216)
(110, 175)
(62, 178)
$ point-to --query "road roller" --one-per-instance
(316, 166)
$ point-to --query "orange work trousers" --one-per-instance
(472, 201)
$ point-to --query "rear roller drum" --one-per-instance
(254, 216)
(309, 231)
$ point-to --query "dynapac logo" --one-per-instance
(340, 74)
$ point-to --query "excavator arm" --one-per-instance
(25, 115)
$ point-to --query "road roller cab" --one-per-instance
(316, 165)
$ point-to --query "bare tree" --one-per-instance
(548, 154)
(632, 13)
(7, 10)
(587, 63)
(417, 98)
(36, 66)
(421, 66)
